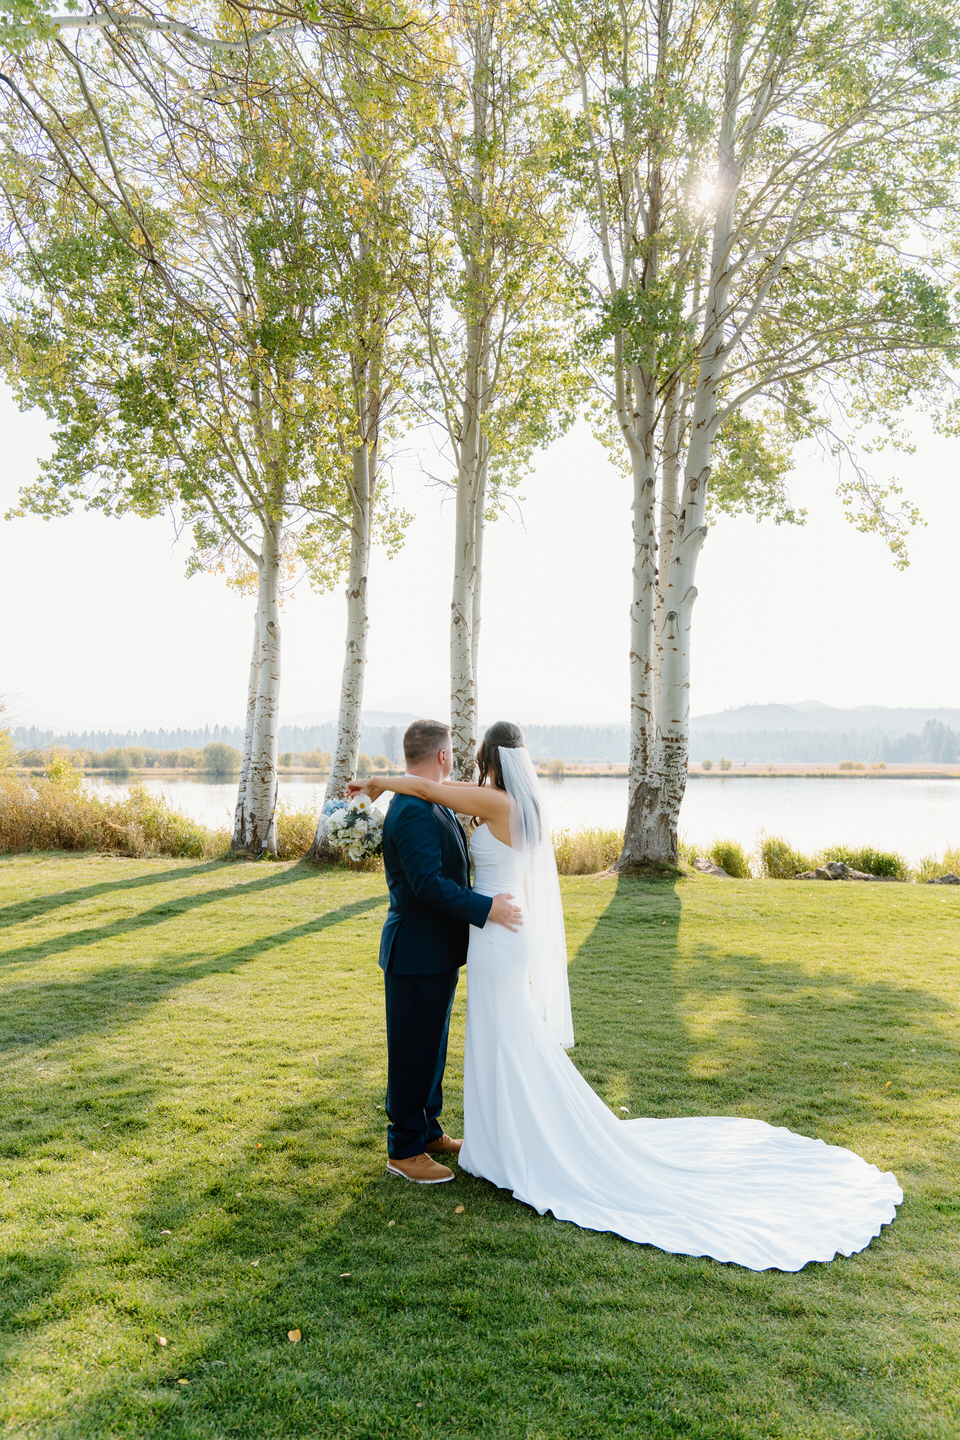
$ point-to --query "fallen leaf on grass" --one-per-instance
(390, 1222)
(345, 1274)
(161, 1339)
(888, 1084)
(624, 1110)
(166, 1232)
(183, 1382)
(254, 1262)
(294, 1336)
(459, 1210)
(259, 1146)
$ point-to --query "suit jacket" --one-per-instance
(427, 865)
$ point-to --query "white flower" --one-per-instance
(362, 802)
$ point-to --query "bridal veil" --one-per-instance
(547, 945)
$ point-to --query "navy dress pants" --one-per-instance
(418, 1022)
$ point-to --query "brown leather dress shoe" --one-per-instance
(445, 1145)
(421, 1169)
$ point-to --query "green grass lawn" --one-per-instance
(192, 1146)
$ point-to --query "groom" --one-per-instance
(423, 945)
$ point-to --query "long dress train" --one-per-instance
(733, 1189)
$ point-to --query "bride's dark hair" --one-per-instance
(504, 733)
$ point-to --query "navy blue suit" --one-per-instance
(423, 945)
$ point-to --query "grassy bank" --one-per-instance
(191, 1148)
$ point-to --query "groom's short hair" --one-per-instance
(423, 739)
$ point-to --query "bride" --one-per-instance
(734, 1189)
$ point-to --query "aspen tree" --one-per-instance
(761, 182)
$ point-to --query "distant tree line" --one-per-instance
(937, 744)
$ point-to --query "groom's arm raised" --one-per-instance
(418, 846)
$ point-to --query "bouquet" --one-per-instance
(354, 827)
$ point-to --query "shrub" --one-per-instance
(931, 867)
(7, 752)
(295, 831)
(114, 759)
(220, 759)
(556, 768)
(364, 766)
(313, 760)
(134, 758)
(706, 764)
(725, 764)
(380, 762)
(189, 759)
(881, 766)
(61, 772)
(851, 765)
(32, 757)
(586, 852)
(730, 856)
(170, 759)
(779, 861)
(871, 862)
(688, 852)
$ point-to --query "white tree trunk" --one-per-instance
(643, 720)
(239, 821)
(669, 513)
(465, 609)
(347, 745)
(258, 833)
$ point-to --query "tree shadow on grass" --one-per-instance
(37, 905)
(157, 914)
(118, 995)
(416, 1321)
(681, 1026)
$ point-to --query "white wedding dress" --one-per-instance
(737, 1190)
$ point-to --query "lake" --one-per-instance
(914, 817)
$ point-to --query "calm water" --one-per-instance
(915, 817)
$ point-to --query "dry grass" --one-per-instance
(586, 852)
(931, 866)
(47, 814)
(56, 812)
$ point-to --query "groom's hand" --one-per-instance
(504, 912)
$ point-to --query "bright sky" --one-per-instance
(104, 632)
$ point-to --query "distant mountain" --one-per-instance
(807, 731)
(810, 715)
(370, 717)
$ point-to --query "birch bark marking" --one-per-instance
(463, 693)
(643, 604)
(667, 526)
(262, 784)
(478, 527)
(344, 764)
(239, 841)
